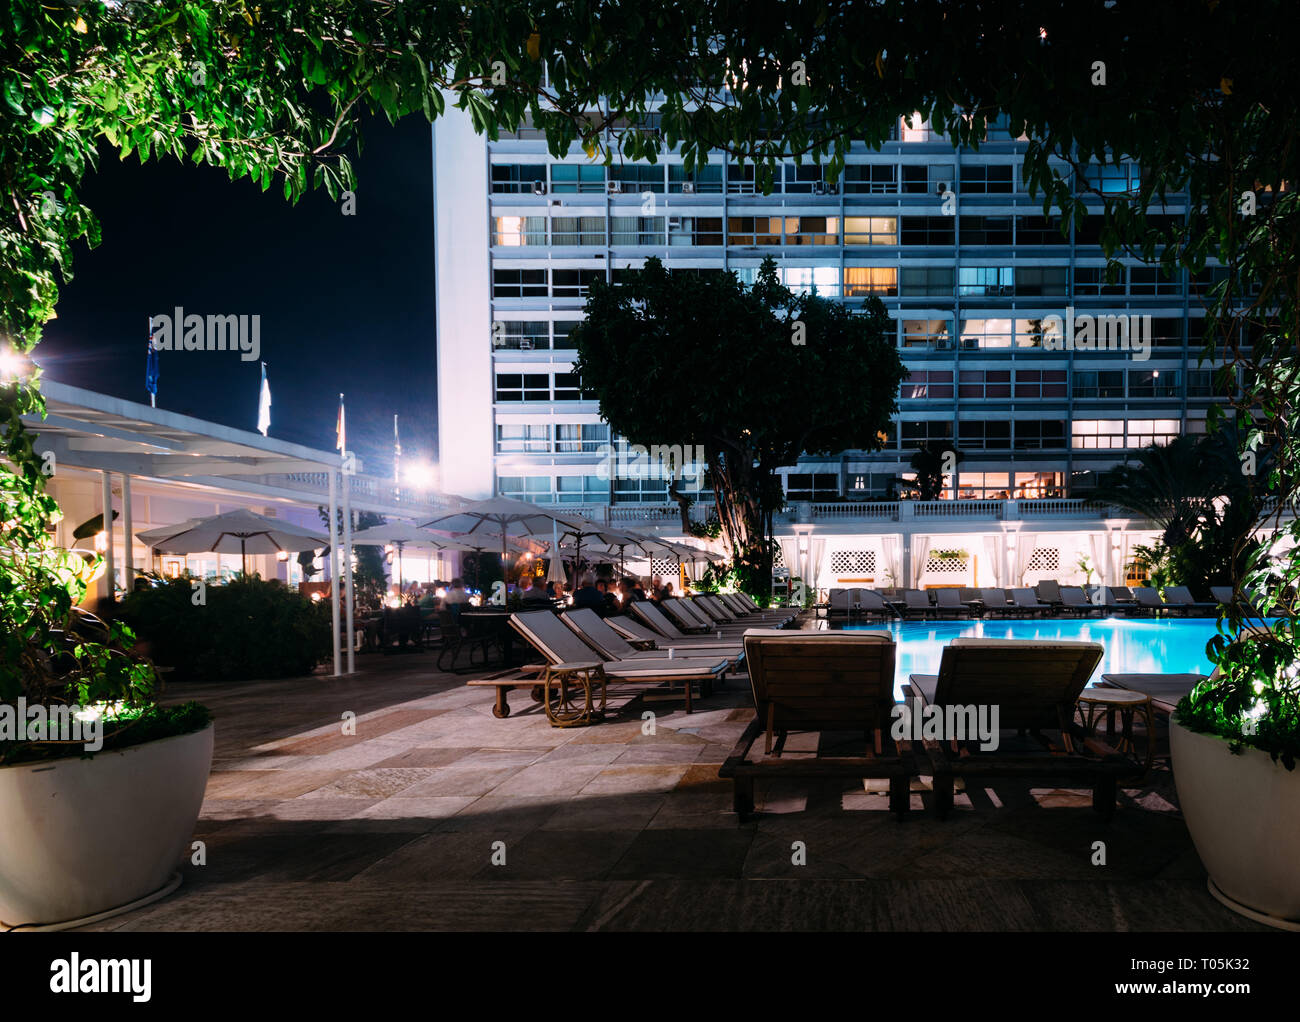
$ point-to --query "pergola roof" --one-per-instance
(90, 430)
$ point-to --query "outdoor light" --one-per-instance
(393, 602)
(101, 542)
(13, 364)
(283, 555)
(317, 596)
(440, 592)
(421, 475)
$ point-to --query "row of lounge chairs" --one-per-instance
(837, 681)
(1048, 598)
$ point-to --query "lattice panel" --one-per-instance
(666, 569)
(1045, 558)
(945, 566)
(853, 562)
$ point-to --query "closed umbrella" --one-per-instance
(241, 532)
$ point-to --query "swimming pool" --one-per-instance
(1132, 646)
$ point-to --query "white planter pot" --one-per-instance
(1243, 812)
(80, 837)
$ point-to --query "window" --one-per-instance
(1208, 383)
(581, 489)
(517, 178)
(636, 230)
(754, 230)
(1091, 280)
(518, 230)
(639, 177)
(984, 383)
(1151, 280)
(1167, 332)
(812, 486)
(1155, 383)
(1098, 384)
(533, 488)
(567, 387)
(1145, 432)
(927, 230)
(927, 180)
(1040, 280)
(1039, 434)
(1040, 230)
(523, 439)
(521, 336)
(981, 435)
(705, 180)
(917, 434)
(525, 387)
(860, 281)
(578, 230)
(574, 283)
(812, 230)
(577, 178)
(916, 129)
(985, 280)
(990, 179)
(802, 279)
(581, 439)
(983, 486)
(562, 328)
(1207, 280)
(1040, 383)
(986, 230)
(695, 230)
(518, 283)
(1097, 434)
(740, 179)
(870, 179)
(987, 333)
(870, 230)
(923, 281)
(802, 178)
(926, 333)
(1112, 180)
(927, 385)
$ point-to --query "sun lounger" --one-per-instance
(555, 641)
(714, 608)
(685, 618)
(917, 604)
(828, 682)
(1049, 591)
(995, 603)
(1026, 603)
(1165, 690)
(1148, 600)
(597, 632)
(1180, 597)
(1035, 686)
(1073, 601)
(948, 603)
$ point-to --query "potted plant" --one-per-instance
(1235, 741)
(100, 786)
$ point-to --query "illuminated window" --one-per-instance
(860, 281)
(870, 230)
(514, 231)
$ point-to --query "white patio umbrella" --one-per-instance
(241, 532)
(402, 534)
(499, 516)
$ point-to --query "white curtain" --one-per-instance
(790, 551)
(893, 549)
(816, 547)
(920, 553)
(1026, 544)
(994, 556)
(1100, 544)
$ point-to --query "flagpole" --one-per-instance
(347, 543)
(334, 572)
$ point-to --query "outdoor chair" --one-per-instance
(1027, 603)
(995, 603)
(828, 682)
(917, 604)
(1073, 601)
(1049, 592)
(1180, 597)
(948, 603)
(1034, 685)
(600, 635)
(1149, 600)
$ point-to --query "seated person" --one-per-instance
(588, 596)
(456, 598)
(533, 592)
(606, 591)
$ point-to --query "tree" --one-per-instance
(755, 376)
(931, 462)
(369, 577)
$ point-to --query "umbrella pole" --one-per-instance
(399, 570)
(243, 555)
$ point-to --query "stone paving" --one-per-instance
(435, 815)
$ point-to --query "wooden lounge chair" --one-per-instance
(643, 637)
(948, 603)
(558, 644)
(1035, 686)
(831, 681)
(711, 606)
(684, 620)
(995, 603)
(653, 616)
(1027, 603)
(917, 604)
(778, 616)
(1165, 690)
(712, 620)
(1180, 597)
(597, 633)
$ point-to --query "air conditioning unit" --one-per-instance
(943, 344)
(614, 187)
(525, 344)
(688, 187)
(539, 187)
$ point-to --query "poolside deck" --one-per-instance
(608, 828)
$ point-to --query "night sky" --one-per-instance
(346, 302)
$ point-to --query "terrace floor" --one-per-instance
(605, 827)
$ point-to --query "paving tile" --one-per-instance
(453, 781)
(684, 853)
(615, 779)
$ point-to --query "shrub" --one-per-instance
(248, 628)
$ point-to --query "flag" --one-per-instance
(264, 405)
(397, 459)
(340, 430)
(151, 368)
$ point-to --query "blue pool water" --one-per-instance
(1132, 646)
